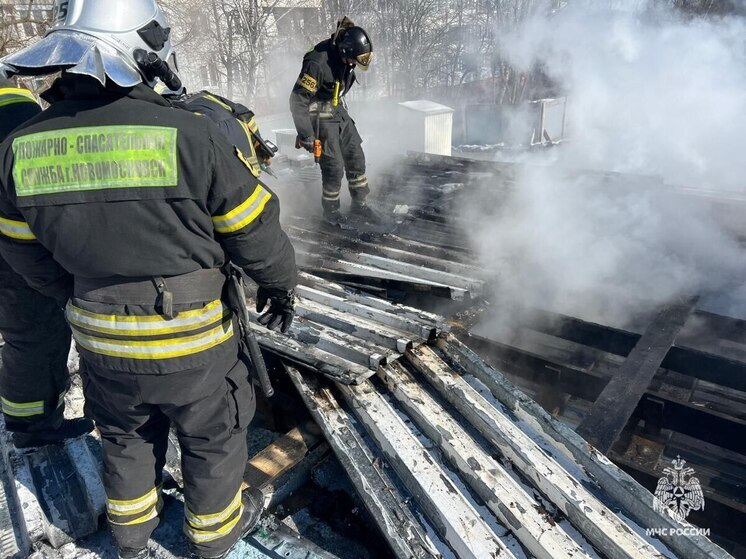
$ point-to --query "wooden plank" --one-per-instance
(557, 365)
(711, 362)
(374, 332)
(367, 473)
(400, 321)
(635, 500)
(504, 496)
(325, 363)
(280, 456)
(616, 403)
(453, 516)
(587, 513)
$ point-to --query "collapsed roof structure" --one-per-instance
(447, 455)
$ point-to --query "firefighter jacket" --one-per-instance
(117, 183)
(33, 372)
(17, 105)
(324, 80)
(233, 119)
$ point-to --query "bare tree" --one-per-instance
(226, 39)
(21, 22)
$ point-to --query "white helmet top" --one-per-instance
(97, 38)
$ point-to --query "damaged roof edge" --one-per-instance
(630, 495)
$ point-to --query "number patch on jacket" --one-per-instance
(309, 83)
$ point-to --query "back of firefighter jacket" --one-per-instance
(114, 183)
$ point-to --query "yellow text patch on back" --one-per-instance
(309, 83)
(95, 158)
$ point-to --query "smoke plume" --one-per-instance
(650, 94)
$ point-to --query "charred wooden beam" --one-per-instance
(565, 373)
(586, 512)
(636, 501)
(367, 473)
(505, 497)
(450, 512)
(704, 365)
(618, 400)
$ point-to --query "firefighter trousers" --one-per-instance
(33, 373)
(342, 154)
(210, 408)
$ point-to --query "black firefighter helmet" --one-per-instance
(354, 47)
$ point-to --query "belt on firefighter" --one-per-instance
(195, 287)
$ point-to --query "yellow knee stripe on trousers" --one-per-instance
(358, 182)
(329, 195)
(135, 511)
(207, 520)
(202, 528)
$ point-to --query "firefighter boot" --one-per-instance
(68, 429)
(363, 211)
(253, 507)
(334, 217)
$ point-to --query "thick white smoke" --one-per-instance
(650, 94)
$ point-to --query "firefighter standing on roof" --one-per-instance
(319, 113)
(142, 203)
(33, 372)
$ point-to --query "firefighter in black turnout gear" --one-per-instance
(33, 371)
(319, 113)
(143, 203)
(237, 123)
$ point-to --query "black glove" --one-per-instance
(305, 143)
(281, 308)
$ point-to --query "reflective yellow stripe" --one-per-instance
(14, 95)
(119, 507)
(331, 195)
(22, 409)
(244, 214)
(218, 101)
(252, 161)
(14, 101)
(358, 181)
(206, 520)
(147, 507)
(17, 91)
(156, 349)
(147, 325)
(152, 514)
(253, 127)
(18, 230)
(204, 536)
